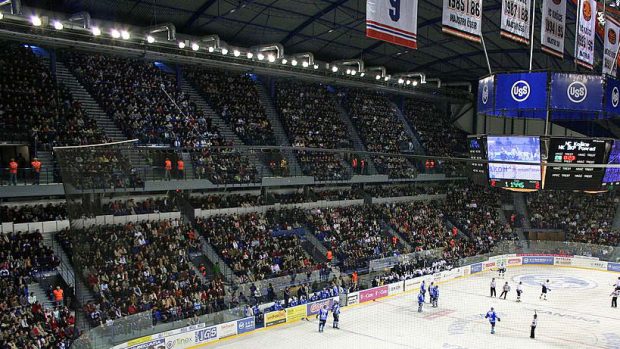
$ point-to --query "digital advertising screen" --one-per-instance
(478, 151)
(502, 150)
(577, 151)
(612, 175)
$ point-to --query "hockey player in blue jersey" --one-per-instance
(423, 289)
(336, 314)
(492, 316)
(420, 301)
(434, 292)
(322, 316)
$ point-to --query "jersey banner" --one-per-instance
(612, 28)
(394, 21)
(516, 20)
(553, 27)
(584, 50)
(462, 18)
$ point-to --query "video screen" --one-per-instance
(612, 175)
(514, 149)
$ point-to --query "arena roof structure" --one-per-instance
(335, 30)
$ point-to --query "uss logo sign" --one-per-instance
(577, 92)
(520, 91)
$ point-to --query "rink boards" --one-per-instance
(200, 335)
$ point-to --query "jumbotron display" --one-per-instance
(507, 149)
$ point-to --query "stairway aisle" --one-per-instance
(91, 107)
(221, 125)
(276, 126)
(358, 145)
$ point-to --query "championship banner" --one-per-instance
(552, 27)
(394, 21)
(584, 50)
(612, 28)
(462, 18)
(516, 20)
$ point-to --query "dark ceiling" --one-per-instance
(333, 30)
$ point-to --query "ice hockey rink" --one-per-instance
(577, 314)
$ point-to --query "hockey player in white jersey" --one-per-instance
(545, 290)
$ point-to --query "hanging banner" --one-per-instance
(462, 18)
(516, 20)
(394, 21)
(612, 28)
(552, 27)
(585, 33)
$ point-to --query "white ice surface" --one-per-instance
(577, 314)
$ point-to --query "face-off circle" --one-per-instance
(555, 281)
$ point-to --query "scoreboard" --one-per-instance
(533, 162)
(479, 171)
(575, 151)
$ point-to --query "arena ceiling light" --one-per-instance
(236, 53)
(387, 78)
(1, 15)
(36, 21)
(305, 64)
(224, 51)
(335, 69)
(408, 82)
(195, 47)
(58, 25)
(284, 61)
(294, 62)
(125, 35)
(181, 44)
(353, 72)
(211, 49)
(378, 77)
(249, 55)
(415, 83)
(401, 81)
(260, 56)
(150, 39)
(271, 58)
(348, 71)
(115, 33)
(362, 74)
(316, 66)
(96, 31)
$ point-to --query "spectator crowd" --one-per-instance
(585, 217)
(235, 97)
(311, 120)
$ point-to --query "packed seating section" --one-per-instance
(251, 246)
(26, 322)
(310, 117)
(235, 97)
(584, 217)
(35, 108)
(126, 269)
(377, 123)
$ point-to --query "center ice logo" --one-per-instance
(615, 96)
(555, 281)
(520, 91)
(577, 92)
